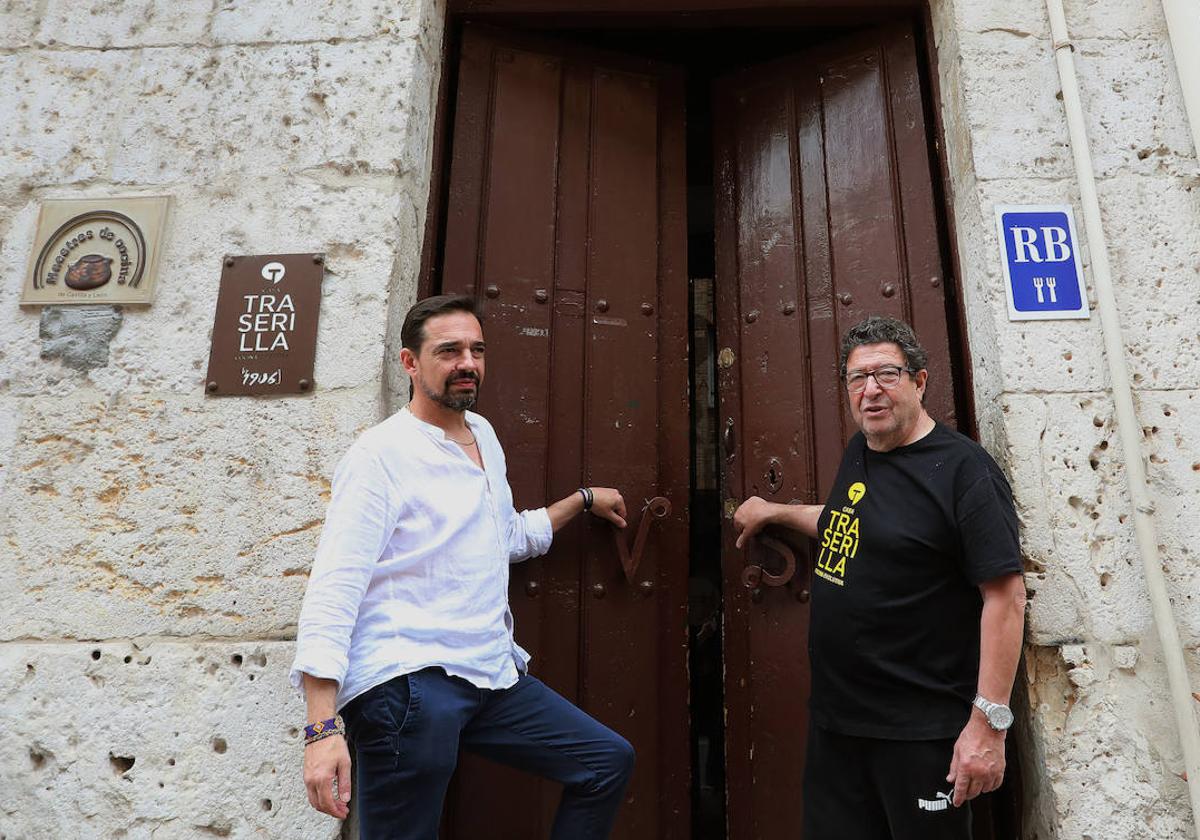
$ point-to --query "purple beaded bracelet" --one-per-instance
(323, 729)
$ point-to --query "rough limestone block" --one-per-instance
(57, 108)
(1109, 739)
(18, 23)
(1064, 355)
(10, 421)
(123, 23)
(1131, 101)
(430, 16)
(1153, 232)
(1169, 422)
(949, 67)
(250, 21)
(402, 290)
(342, 107)
(133, 515)
(1085, 18)
(1051, 355)
(999, 70)
(415, 157)
(1086, 576)
(165, 346)
(1153, 225)
(982, 295)
(1054, 611)
(1042, 697)
(7, 212)
(1134, 107)
(154, 741)
(1089, 555)
(422, 78)
(1017, 18)
(1129, 84)
(1118, 21)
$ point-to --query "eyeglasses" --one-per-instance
(887, 376)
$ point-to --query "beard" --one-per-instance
(452, 400)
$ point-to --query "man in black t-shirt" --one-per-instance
(917, 610)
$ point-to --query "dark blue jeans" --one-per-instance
(406, 735)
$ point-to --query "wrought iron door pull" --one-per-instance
(655, 508)
(754, 574)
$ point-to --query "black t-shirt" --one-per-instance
(904, 541)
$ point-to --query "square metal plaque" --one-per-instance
(96, 250)
(264, 338)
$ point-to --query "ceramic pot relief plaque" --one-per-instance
(96, 251)
(264, 338)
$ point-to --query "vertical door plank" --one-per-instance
(830, 419)
(671, 555)
(926, 282)
(514, 247)
(739, 696)
(468, 164)
(567, 190)
(863, 218)
(774, 426)
(621, 414)
(518, 254)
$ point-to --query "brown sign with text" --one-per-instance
(264, 338)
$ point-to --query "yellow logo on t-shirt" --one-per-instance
(839, 540)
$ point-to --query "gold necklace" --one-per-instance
(470, 442)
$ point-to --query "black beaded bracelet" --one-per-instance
(588, 497)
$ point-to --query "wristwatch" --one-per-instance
(999, 716)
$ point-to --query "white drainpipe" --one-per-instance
(1183, 28)
(1127, 423)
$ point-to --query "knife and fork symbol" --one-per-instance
(1049, 284)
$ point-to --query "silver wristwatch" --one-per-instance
(999, 716)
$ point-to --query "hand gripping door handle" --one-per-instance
(655, 508)
(754, 574)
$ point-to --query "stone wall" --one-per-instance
(1102, 756)
(156, 542)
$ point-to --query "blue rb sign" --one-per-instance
(1042, 272)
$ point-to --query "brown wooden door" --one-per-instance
(565, 220)
(825, 215)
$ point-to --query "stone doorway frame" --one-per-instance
(964, 230)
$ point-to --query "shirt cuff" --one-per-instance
(322, 661)
(540, 531)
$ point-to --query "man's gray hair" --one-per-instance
(878, 329)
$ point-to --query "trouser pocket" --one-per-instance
(377, 719)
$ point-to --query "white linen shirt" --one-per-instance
(412, 566)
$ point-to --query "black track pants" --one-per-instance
(874, 789)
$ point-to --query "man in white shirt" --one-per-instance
(406, 629)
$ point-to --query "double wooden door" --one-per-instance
(566, 219)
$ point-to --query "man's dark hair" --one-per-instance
(412, 334)
(878, 329)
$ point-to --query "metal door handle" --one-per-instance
(655, 508)
(730, 438)
(754, 574)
